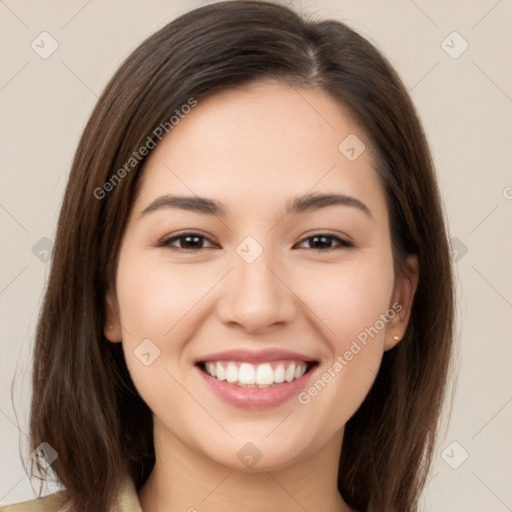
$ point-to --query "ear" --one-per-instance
(401, 304)
(112, 329)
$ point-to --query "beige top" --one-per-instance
(126, 501)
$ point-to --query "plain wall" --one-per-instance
(465, 102)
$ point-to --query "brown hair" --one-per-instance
(84, 402)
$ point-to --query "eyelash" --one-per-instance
(342, 244)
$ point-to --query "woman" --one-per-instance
(250, 303)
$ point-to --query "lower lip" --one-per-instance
(256, 398)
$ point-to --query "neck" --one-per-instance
(183, 480)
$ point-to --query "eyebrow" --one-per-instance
(305, 203)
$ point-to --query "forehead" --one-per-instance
(255, 146)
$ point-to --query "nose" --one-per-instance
(256, 296)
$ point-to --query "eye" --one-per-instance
(193, 241)
(189, 240)
(323, 242)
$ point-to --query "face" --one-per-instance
(258, 308)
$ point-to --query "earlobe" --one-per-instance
(112, 327)
(405, 289)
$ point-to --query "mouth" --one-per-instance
(254, 380)
(257, 375)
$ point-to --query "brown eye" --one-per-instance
(186, 241)
(324, 241)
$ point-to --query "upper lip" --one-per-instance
(250, 356)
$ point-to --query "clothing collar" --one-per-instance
(126, 499)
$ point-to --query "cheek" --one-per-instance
(153, 297)
(161, 303)
(154, 303)
(348, 298)
(350, 303)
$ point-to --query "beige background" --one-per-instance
(466, 107)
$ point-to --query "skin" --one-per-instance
(254, 149)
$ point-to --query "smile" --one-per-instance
(262, 375)
(254, 386)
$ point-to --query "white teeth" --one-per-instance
(290, 373)
(279, 373)
(232, 372)
(211, 369)
(264, 374)
(220, 372)
(249, 375)
(246, 374)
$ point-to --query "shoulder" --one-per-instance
(126, 501)
(53, 503)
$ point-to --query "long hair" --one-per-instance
(84, 403)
